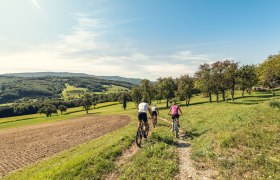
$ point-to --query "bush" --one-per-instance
(275, 104)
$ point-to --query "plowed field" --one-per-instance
(20, 147)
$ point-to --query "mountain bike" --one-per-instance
(175, 127)
(140, 134)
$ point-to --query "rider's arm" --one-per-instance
(150, 111)
(180, 110)
(169, 111)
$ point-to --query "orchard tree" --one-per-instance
(136, 95)
(185, 86)
(204, 80)
(48, 109)
(123, 98)
(231, 74)
(86, 102)
(247, 78)
(146, 89)
(168, 87)
(269, 72)
(62, 108)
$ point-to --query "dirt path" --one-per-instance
(20, 147)
(186, 165)
(124, 158)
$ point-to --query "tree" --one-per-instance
(124, 97)
(48, 109)
(231, 73)
(94, 103)
(247, 78)
(86, 102)
(168, 87)
(146, 89)
(185, 87)
(269, 72)
(220, 82)
(62, 108)
(136, 95)
(204, 80)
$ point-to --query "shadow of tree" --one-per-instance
(183, 144)
(193, 134)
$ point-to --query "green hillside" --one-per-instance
(15, 88)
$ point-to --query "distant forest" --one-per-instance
(15, 88)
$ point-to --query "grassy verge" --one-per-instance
(240, 139)
(157, 159)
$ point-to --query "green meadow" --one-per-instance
(239, 140)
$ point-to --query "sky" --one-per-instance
(138, 39)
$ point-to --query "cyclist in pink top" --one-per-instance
(175, 112)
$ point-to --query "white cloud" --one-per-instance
(87, 49)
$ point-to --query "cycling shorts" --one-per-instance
(143, 116)
(175, 116)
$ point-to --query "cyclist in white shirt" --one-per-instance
(143, 107)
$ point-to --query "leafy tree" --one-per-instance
(48, 109)
(136, 95)
(247, 78)
(204, 80)
(168, 87)
(146, 89)
(94, 103)
(231, 74)
(62, 108)
(220, 83)
(185, 87)
(269, 72)
(124, 97)
(86, 102)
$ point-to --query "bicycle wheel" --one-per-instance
(139, 136)
(176, 129)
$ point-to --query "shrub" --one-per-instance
(275, 104)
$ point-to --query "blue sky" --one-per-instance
(139, 38)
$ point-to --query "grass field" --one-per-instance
(72, 92)
(238, 139)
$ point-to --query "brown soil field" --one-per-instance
(20, 147)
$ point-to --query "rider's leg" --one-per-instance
(147, 128)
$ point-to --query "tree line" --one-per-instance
(51, 106)
(217, 79)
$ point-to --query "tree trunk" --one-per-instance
(186, 101)
(189, 102)
(166, 103)
(243, 93)
(210, 97)
(87, 111)
(232, 92)
(272, 91)
(249, 91)
(224, 96)
(217, 97)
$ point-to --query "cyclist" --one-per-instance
(155, 112)
(175, 113)
(142, 114)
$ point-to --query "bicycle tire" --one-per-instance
(139, 135)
